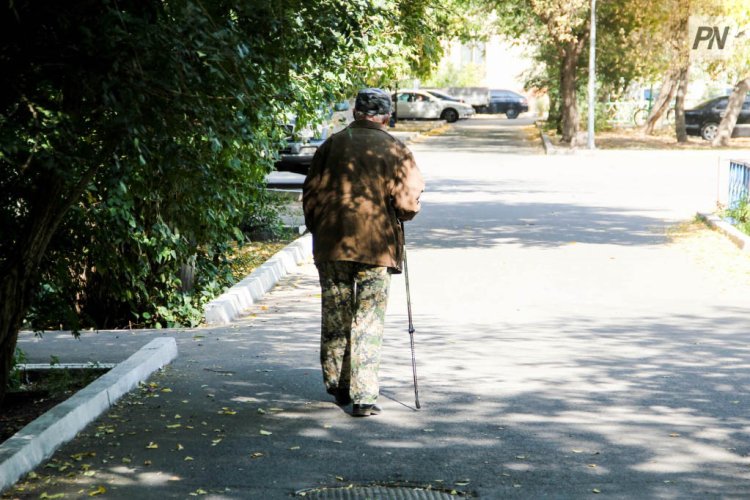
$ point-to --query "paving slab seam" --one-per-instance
(735, 235)
(232, 303)
(36, 442)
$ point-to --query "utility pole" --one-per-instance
(592, 76)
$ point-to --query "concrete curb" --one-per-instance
(38, 441)
(405, 136)
(551, 149)
(738, 237)
(546, 142)
(233, 302)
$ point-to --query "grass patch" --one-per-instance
(632, 138)
(740, 215)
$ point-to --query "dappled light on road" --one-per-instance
(567, 343)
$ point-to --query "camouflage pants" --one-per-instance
(354, 299)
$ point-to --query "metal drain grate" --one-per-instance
(376, 493)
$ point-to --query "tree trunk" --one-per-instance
(679, 106)
(570, 117)
(187, 275)
(666, 95)
(734, 106)
(553, 116)
(18, 276)
(16, 288)
(13, 307)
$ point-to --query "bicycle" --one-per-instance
(640, 115)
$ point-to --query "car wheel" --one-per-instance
(450, 115)
(709, 131)
(512, 113)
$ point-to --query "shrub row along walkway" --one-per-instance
(567, 346)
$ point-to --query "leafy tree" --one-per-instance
(734, 106)
(670, 55)
(667, 53)
(449, 75)
(739, 67)
(560, 28)
(560, 32)
(135, 137)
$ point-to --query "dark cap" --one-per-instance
(373, 102)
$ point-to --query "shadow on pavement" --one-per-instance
(638, 407)
(467, 214)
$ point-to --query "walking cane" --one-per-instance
(411, 325)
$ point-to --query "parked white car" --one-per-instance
(447, 97)
(421, 105)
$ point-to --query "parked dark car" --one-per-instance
(301, 145)
(704, 119)
(506, 101)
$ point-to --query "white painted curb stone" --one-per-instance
(228, 306)
(38, 441)
(738, 237)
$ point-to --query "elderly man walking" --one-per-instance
(362, 182)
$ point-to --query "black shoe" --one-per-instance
(341, 395)
(343, 398)
(359, 410)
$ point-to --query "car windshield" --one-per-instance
(720, 102)
(503, 94)
(446, 97)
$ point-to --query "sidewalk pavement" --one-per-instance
(566, 347)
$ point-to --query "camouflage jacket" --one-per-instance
(361, 182)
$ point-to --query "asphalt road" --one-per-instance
(566, 349)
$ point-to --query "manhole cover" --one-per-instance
(376, 493)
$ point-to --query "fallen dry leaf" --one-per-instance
(98, 491)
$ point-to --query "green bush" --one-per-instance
(135, 138)
(740, 215)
